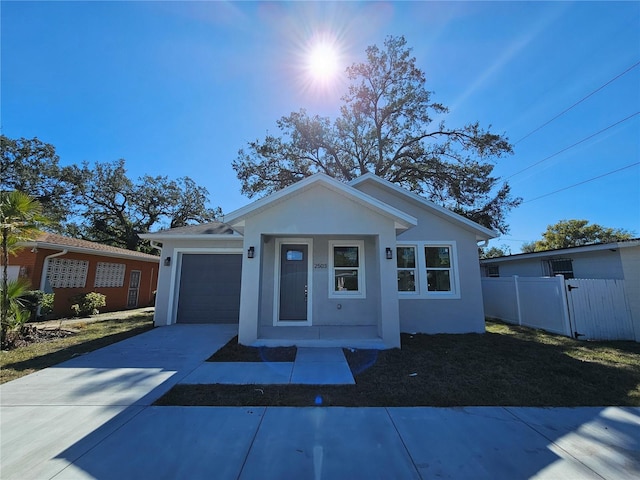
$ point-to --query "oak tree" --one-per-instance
(574, 233)
(386, 126)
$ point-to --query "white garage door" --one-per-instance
(209, 288)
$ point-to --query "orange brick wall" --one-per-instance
(116, 296)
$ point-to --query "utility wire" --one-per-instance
(574, 145)
(583, 182)
(578, 102)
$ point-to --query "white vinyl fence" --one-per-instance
(582, 308)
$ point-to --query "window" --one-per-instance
(109, 274)
(406, 262)
(66, 273)
(346, 267)
(438, 260)
(492, 270)
(427, 270)
(561, 266)
(295, 255)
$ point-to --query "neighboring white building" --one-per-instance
(326, 263)
(610, 261)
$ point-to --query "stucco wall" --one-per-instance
(325, 311)
(604, 263)
(322, 214)
(439, 315)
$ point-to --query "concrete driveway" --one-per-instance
(92, 417)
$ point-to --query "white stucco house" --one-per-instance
(325, 263)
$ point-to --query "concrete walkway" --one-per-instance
(92, 417)
(312, 366)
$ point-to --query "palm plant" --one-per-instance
(20, 216)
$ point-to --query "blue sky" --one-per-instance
(178, 88)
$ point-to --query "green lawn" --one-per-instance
(90, 336)
(506, 366)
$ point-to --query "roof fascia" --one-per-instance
(192, 236)
(482, 233)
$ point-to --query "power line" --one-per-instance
(583, 182)
(579, 102)
(574, 145)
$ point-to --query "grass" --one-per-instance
(90, 336)
(509, 366)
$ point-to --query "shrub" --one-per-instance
(46, 306)
(86, 304)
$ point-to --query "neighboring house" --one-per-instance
(615, 260)
(68, 266)
(322, 262)
(605, 261)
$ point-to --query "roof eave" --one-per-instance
(563, 251)
(482, 233)
(90, 251)
(194, 236)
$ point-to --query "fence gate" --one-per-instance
(598, 309)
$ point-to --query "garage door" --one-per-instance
(209, 289)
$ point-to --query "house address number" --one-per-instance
(319, 265)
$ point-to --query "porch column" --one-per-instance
(389, 307)
(250, 289)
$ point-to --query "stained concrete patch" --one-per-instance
(479, 443)
(240, 373)
(172, 443)
(333, 443)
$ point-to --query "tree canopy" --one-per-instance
(494, 252)
(574, 233)
(32, 166)
(100, 202)
(386, 126)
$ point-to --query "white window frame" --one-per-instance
(362, 279)
(422, 291)
(416, 269)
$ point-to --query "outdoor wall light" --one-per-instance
(389, 253)
(167, 261)
(251, 252)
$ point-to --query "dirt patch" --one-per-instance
(234, 352)
(30, 334)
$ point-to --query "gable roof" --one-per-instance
(558, 252)
(482, 233)
(402, 220)
(193, 232)
(52, 241)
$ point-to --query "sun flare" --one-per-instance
(323, 62)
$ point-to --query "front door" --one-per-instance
(134, 288)
(293, 282)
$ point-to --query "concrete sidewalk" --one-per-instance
(92, 418)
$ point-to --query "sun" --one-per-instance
(323, 63)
